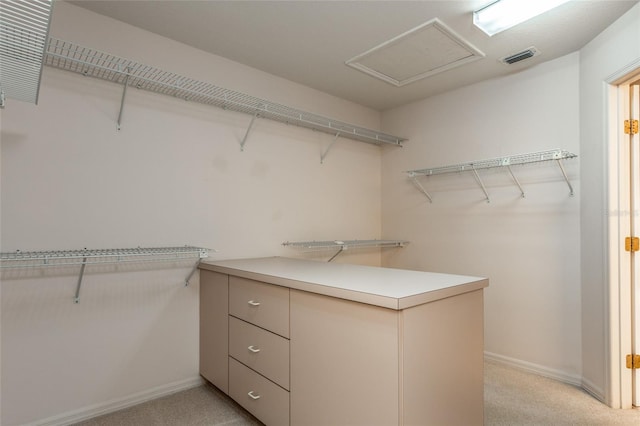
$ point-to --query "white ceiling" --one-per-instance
(308, 42)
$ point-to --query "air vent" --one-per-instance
(520, 56)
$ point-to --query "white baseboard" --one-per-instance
(593, 390)
(540, 370)
(106, 407)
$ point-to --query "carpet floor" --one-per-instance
(512, 397)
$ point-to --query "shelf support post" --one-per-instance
(420, 187)
(76, 299)
(475, 173)
(564, 173)
(336, 255)
(193, 271)
(515, 180)
(124, 94)
(324, 154)
(246, 135)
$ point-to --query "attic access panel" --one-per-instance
(428, 49)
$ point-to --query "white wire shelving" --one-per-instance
(342, 245)
(89, 62)
(24, 29)
(85, 257)
(556, 155)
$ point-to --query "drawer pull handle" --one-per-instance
(253, 303)
(254, 397)
(254, 349)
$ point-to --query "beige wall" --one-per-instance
(173, 175)
(529, 248)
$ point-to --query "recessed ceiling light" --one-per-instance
(504, 14)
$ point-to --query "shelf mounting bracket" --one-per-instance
(564, 173)
(193, 271)
(477, 176)
(326, 151)
(506, 162)
(414, 177)
(246, 135)
(76, 299)
(124, 94)
(336, 255)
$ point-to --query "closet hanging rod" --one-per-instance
(89, 62)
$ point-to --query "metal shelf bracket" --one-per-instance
(564, 174)
(337, 253)
(193, 271)
(414, 177)
(326, 151)
(246, 134)
(507, 164)
(124, 94)
(76, 299)
(477, 176)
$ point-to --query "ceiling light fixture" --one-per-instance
(504, 14)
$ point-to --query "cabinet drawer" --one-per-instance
(264, 305)
(262, 351)
(259, 396)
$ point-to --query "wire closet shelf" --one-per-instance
(512, 160)
(557, 155)
(89, 62)
(342, 245)
(24, 30)
(32, 259)
(85, 257)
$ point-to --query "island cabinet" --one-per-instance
(299, 342)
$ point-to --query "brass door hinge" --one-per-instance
(633, 361)
(631, 127)
(632, 244)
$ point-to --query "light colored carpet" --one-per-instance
(512, 397)
(201, 406)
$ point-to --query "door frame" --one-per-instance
(620, 383)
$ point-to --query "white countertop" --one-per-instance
(384, 287)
